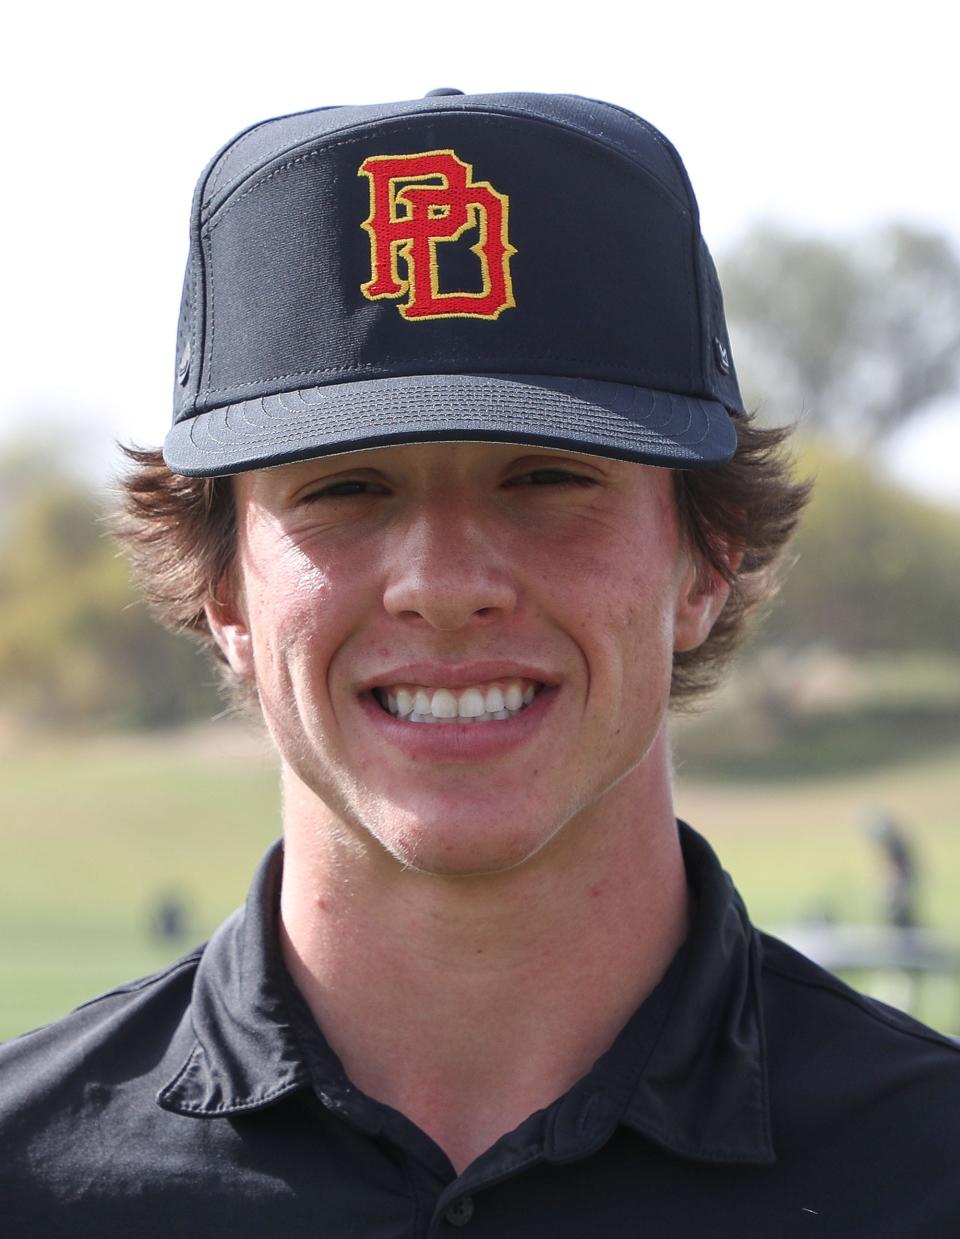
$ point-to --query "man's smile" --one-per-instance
(497, 700)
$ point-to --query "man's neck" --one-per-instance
(469, 1002)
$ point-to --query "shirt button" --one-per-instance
(460, 1212)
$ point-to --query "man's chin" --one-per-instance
(460, 850)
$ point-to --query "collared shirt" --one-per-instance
(751, 1095)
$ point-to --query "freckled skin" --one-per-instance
(359, 563)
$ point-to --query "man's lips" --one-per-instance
(457, 676)
(495, 700)
(459, 739)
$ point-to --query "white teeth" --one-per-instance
(480, 703)
(444, 704)
(493, 700)
(471, 703)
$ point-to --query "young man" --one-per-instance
(460, 488)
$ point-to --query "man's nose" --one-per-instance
(447, 569)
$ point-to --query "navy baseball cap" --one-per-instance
(519, 268)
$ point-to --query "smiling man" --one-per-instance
(460, 490)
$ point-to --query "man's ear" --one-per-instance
(703, 594)
(228, 625)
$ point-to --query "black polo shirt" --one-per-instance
(752, 1094)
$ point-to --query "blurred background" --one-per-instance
(821, 143)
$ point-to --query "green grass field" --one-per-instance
(93, 834)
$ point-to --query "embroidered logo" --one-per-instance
(417, 203)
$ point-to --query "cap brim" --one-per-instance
(581, 415)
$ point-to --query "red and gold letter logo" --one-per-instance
(417, 202)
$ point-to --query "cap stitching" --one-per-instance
(415, 397)
(224, 159)
(618, 431)
(291, 163)
(345, 420)
(213, 315)
(366, 368)
(399, 123)
(658, 137)
(403, 118)
(227, 152)
(641, 433)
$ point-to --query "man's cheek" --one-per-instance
(291, 605)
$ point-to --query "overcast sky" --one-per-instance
(830, 116)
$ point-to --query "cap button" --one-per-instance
(183, 366)
(442, 90)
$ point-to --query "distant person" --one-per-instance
(168, 918)
(461, 491)
(900, 857)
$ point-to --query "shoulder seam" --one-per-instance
(840, 990)
(142, 983)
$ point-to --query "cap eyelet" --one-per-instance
(183, 367)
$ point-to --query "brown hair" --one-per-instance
(750, 506)
(180, 535)
(181, 532)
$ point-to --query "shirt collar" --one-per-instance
(246, 1054)
(688, 1071)
(703, 1092)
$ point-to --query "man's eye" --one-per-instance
(551, 477)
(345, 489)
